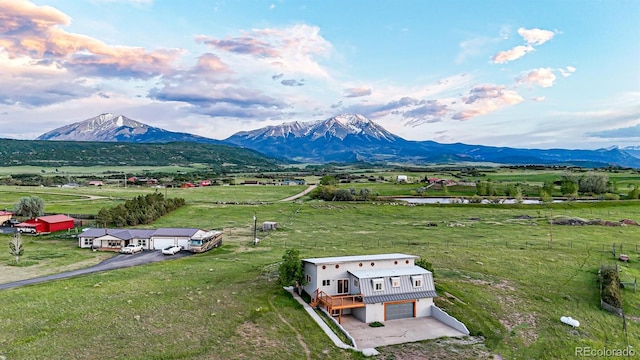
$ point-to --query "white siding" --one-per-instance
(423, 307)
(375, 312)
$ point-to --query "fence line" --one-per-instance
(630, 248)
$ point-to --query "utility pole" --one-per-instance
(255, 229)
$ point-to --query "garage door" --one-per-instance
(160, 243)
(398, 311)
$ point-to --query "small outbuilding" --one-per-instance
(402, 178)
(269, 225)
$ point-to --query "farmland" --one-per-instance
(501, 269)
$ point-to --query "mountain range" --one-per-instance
(343, 138)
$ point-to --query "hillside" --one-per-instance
(77, 153)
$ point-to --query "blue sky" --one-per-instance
(534, 74)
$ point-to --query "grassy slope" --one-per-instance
(496, 274)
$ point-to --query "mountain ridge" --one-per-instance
(342, 138)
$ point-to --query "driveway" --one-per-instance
(117, 262)
(396, 331)
(303, 193)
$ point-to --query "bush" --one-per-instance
(611, 287)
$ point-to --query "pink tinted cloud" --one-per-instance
(357, 92)
(241, 45)
(535, 36)
(484, 99)
(27, 30)
(211, 63)
(293, 49)
(512, 54)
(543, 77)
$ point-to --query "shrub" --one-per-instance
(611, 287)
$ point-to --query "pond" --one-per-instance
(453, 200)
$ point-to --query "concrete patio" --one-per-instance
(396, 331)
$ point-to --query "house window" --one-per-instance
(378, 284)
(356, 283)
(88, 241)
(142, 242)
(326, 282)
(417, 281)
(308, 278)
(343, 286)
(395, 282)
(114, 243)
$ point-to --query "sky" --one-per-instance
(527, 74)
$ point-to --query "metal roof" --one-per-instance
(50, 219)
(344, 259)
(389, 272)
(405, 289)
(187, 232)
(124, 234)
(399, 297)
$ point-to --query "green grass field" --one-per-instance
(501, 269)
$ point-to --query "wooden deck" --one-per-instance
(336, 303)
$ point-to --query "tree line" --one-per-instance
(142, 209)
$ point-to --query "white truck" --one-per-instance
(131, 249)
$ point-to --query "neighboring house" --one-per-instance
(96, 183)
(294, 182)
(114, 239)
(205, 183)
(187, 185)
(5, 215)
(46, 224)
(402, 178)
(371, 287)
(251, 182)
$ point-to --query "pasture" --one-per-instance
(501, 269)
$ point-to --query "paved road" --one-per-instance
(118, 262)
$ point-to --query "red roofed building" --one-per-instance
(47, 224)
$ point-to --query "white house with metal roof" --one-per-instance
(373, 288)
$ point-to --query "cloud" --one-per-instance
(531, 37)
(31, 31)
(543, 77)
(513, 54)
(568, 71)
(277, 76)
(337, 105)
(296, 49)
(292, 82)
(241, 45)
(210, 63)
(356, 92)
(538, 98)
(430, 112)
(535, 36)
(484, 99)
(379, 110)
(626, 132)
